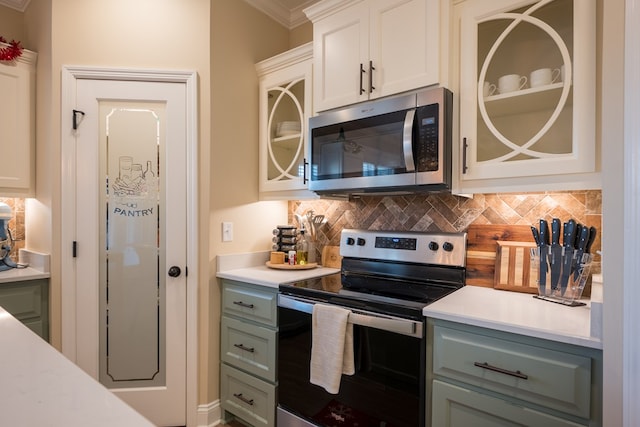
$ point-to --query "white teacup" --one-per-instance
(544, 76)
(488, 89)
(511, 82)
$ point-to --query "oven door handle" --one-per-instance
(371, 320)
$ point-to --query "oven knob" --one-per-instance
(433, 246)
(350, 241)
(360, 241)
(447, 246)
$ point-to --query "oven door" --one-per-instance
(388, 387)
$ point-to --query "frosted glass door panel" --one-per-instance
(132, 288)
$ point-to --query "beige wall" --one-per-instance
(12, 26)
(234, 148)
(301, 34)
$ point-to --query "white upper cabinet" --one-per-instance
(527, 94)
(285, 105)
(17, 121)
(365, 49)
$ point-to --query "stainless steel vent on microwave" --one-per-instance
(396, 146)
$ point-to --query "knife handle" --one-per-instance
(555, 231)
(569, 233)
(583, 239)
(576, 240)
(536, 235)
(592, 237)
(544, 232)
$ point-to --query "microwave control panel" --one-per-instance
(427, 147)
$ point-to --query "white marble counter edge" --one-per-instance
(37, 268)
(447, 313)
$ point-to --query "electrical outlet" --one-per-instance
(227, 231)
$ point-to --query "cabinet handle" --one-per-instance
(305, 164)
(485, 365)
(464, 155)
(243, 304)
(361, 73)
(371, 68)
(244, 399)
(242, 347)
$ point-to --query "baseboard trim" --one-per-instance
(209, 414)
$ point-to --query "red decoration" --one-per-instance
(11, 52)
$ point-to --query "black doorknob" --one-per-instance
(174, 271)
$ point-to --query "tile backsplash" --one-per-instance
(448, 213)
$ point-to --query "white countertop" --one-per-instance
(251, 268)
(41, 387)
(38, 268)
(21, 274)
(518, 313)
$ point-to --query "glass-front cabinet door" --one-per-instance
(527, 88)
(285, 105)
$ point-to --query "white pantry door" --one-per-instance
(130, 245)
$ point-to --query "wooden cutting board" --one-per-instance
(331, 257)
(482, 248)
(514, 269)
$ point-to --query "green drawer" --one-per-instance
(28, 301)
(250, 302)
(455, 406)
(542, 376)
(247, 397)
(249, 347)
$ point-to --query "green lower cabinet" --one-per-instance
(455, 406)
(248, 378)
(483, 377)
(28, 301)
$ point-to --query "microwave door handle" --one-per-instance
(407, 141)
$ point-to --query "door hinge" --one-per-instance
(74, 249)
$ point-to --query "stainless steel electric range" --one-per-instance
(386, 280)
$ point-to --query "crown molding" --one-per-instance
(278, 11)
(19, 5)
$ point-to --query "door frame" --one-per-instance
(70, 75)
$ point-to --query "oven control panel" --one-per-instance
(425, 248)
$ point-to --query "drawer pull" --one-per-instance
(244, 399)
(242, 347)
(517, 374)
(243, 304)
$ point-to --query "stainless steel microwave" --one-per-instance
(396, 145)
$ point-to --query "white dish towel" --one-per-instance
(331, 346)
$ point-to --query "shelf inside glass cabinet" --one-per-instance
(287, 140)
(525, 100)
